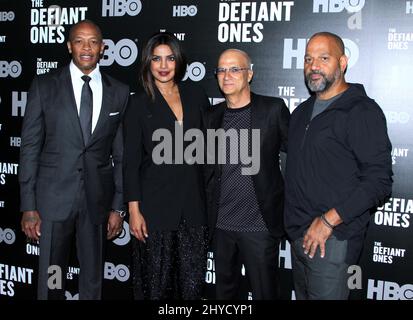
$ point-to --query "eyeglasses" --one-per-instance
(232, 70)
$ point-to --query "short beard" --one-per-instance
(325, 83)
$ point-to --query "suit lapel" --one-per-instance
(69, 102)
(218, 115)
(186, 107)
(258, 116)
(165, 109)
(107, 98)
(258, 121)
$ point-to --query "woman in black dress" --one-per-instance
(165, 194)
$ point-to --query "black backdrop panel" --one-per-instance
(378, 35)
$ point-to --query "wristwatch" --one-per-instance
(121, 213)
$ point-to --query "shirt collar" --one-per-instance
(77, 73)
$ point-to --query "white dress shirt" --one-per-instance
(96, 86)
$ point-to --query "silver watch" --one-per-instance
(121, 213)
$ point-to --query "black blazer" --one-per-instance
(271, 116)
(166, 192)
(53, 157)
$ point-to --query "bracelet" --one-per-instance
(325, 221)
(121, 213)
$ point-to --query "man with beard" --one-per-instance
(338, 170)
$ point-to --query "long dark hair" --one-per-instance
(157, 39)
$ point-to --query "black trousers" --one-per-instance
(56, 240)
(258, 251)
(321, 278)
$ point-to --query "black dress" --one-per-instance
(172, 262)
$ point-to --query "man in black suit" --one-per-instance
(70, 165)
(245, 208)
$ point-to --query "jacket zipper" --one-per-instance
(305, 134)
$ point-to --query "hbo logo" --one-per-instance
(397, 117)
(69, 296)
(7, 235)
(124, 52)
(117, 8)
(12, 69)
(338, 5)
(387, 290)
(352, 52)
(124, 237)
(183, 11)
(6, 16)
(195, 71)
(393, 291)
(120, 272)
(210, 274)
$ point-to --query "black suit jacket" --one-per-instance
(166, 192)
(53, 157)
(271, 116)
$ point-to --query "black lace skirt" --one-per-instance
(171, 264)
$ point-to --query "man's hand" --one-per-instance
(316, 235)
(30, 224)
(115, 225)
(319, 232)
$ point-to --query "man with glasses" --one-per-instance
(245, 209)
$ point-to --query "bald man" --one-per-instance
(338, 170)
(246, 201)
(70, 170)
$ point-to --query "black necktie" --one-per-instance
(86, 109)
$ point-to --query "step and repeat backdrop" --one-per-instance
(378, 35)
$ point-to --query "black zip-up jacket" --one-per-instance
(341, 159)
